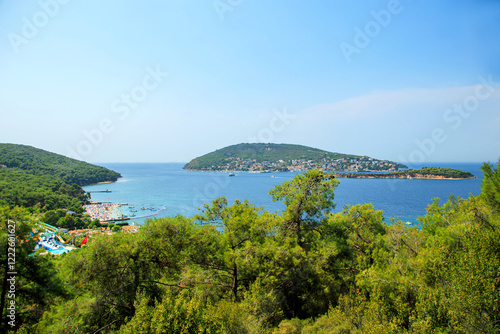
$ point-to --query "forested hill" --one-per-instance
(40, 162)
(18, 188)
(284, 157)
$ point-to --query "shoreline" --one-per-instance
(101, 211)
(350, 174)
(281, 171)
(102, 182)
(401, 177)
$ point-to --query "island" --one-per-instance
(267, 157)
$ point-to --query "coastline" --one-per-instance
(351, 175)
(102, 182)
(189, 190)
(402, 176)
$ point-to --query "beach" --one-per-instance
(102, 211)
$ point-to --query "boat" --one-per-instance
(231, 174)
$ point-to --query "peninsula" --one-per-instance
(262, 157)
(434, 173)
(35, 161)
(30, 176)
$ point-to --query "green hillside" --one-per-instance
(39, 162)
(282, 157)
(18, 188)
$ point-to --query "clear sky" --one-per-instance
(167, 81)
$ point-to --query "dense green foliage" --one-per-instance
(239, 269)
(64, 219)
(490, 189)
(436, 171)
(18, 188)
(447, 173)
(32, 177)
(37, 286)
(39, 162)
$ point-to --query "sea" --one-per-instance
(165, 189)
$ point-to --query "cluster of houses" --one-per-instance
(352, 164)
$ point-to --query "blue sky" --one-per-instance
(166, 81)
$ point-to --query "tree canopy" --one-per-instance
(236, 268)
(18, 188)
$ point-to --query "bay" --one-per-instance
(184, 192)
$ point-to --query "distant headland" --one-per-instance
(431, 173)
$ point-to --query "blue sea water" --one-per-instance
(183, 192)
